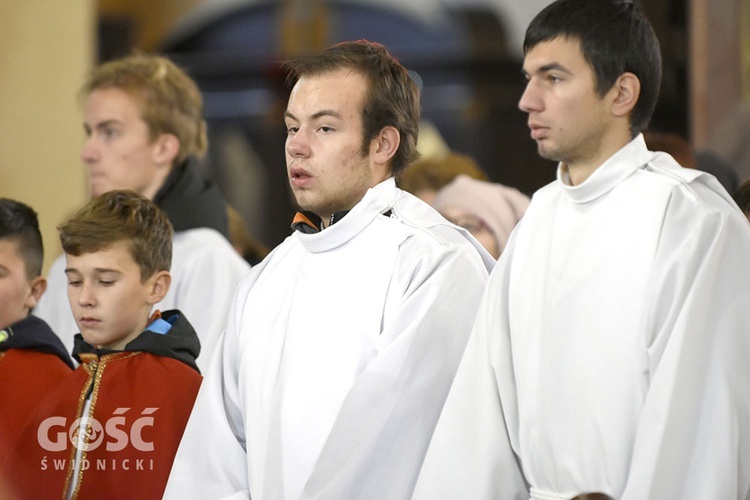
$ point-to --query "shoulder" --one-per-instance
(546, 193)
(427, 233)
(416, 218)
(279, 257)
(200, 237)
(206, 244)
(694, 188)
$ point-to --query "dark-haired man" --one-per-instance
(612, 339)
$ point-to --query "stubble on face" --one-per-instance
(575, 148)
(569, 116)
(327, 146)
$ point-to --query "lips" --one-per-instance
(299, 177)
(537, 131)
(89, 322)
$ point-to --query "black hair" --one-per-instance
(20, 223)
(615, 37)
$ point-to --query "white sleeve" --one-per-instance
(693, 434)
(205, 275)
(211, 461)
(471, 455)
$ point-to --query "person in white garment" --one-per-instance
(342, 344)
(611, 347)
(143, 117)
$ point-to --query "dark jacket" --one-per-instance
(190, 201)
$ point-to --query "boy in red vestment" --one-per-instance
(33, 360)
(112, 428)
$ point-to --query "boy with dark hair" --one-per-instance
(125, 408)
(33, 361)
(612, 338)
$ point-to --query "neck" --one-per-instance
(579, 169)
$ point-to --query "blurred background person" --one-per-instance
(430, 173)
(143, 117)
(488, 210)
(682, 150)
(249, 248)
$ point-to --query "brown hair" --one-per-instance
(392, 97)
(121, 215)
(168, 99)
(434, 172)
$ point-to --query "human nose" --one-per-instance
(89, 152)
(530, 100)
(86, 296)
(297, 145)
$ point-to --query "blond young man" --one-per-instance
(143, 118)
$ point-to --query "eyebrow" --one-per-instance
(550, 67)
(99, 125)
(98, 270)
(320, 114)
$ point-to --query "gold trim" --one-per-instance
(94, 366)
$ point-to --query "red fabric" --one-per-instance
(27, 376)
(127, 389)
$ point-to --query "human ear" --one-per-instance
(38, 287)
(158, 285)
(166, 149)
(627, 90)
(385, 144)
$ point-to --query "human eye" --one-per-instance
(74, 282)
(325, 129)
(106, 282)
(291, 129)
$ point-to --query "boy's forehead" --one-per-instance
(114, 257)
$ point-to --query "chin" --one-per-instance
(547, 154)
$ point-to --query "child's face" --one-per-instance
(110, 304)
(16, 297)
